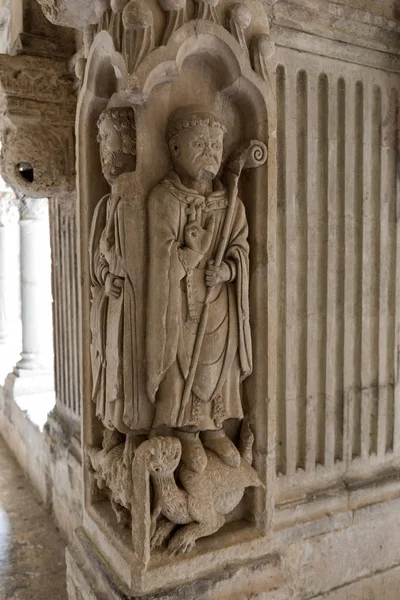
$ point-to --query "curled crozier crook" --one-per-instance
(249, 155)
(257, 155)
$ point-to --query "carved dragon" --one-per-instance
(200, 505)
(204, 500)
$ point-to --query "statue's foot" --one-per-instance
(193, 453)
(112, 438)
(222, 446)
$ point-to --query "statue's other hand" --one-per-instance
(113, 285)
(217, 275)
(198, 238)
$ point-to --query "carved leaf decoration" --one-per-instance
(138, 36)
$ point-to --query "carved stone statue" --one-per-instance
(198, 334)
(112, 293)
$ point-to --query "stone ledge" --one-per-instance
(333, 21)
(89, 578)
(349, 52)
(329, 554)
(382, 586)
(335, 563)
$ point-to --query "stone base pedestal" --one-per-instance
(89, 578)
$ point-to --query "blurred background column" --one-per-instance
(33, 373)
(10, 330)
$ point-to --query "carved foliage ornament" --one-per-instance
(36, 78)
(70, 13)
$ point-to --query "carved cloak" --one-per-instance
(226, 354)
(112, 322)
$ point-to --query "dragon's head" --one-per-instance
(164, 455)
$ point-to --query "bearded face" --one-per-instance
(197, 151)
(114, 160)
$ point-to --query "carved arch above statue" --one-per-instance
(202, 38)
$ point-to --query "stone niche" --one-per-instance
(163, 503)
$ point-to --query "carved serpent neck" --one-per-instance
(173, 501)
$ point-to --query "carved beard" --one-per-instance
(112, 162)
(206, 175)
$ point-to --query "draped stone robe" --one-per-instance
(111, 320)
(176, 297)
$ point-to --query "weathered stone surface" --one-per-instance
(139, 384)
(382, 586)
(31, 548)
(345, 555)
(306, 280)
(88, 577)
(37, 107)
(51, 459)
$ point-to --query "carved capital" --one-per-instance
(67, 206)
(36, 161)
(37, 80)
(37, 102)
(32, 209)
(77, 14)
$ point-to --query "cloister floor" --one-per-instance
(32, 563)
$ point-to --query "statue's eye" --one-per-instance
(198, 144)
(216, 146)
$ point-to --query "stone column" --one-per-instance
(33, 372)
(6, 208)
(9, 294)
